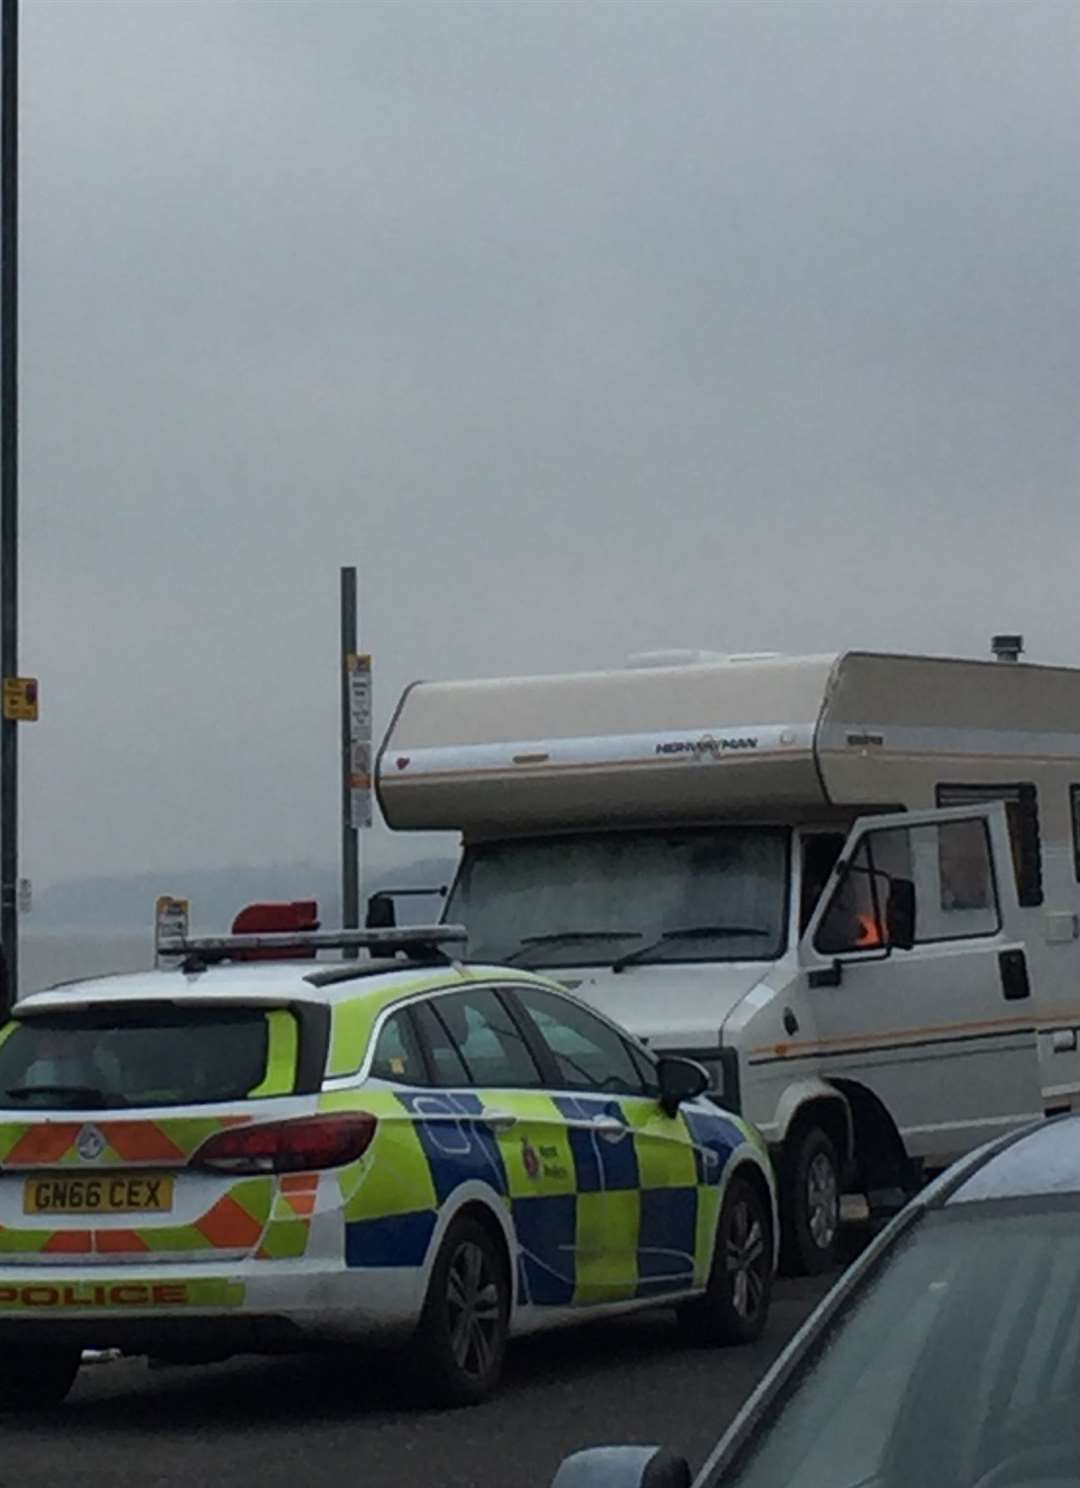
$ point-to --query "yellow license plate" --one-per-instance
(125, 1194)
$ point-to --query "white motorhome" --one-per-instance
(847, 884)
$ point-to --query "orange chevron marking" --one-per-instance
(45, 1143)
(70, 1242)
(141, 1141)
(119, 1242)
(229, 1227)
(301, 1203)
(299, 1182)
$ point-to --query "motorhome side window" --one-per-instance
(1022, 811)
(1074, 802)
(819, 854)
(856, 919)
(939, 875)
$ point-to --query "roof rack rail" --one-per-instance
(423, 942)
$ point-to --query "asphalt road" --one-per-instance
(347, 1420)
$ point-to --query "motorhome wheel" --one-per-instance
(810, 1204)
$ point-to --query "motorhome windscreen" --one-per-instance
(591, 898)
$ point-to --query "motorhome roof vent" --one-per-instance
(1007, 647)
(677, 658)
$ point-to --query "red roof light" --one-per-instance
(277, 919)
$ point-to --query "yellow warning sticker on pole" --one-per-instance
(21, 699)
(359, 765)
(170, 923)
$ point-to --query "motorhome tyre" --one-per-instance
(809, 1203)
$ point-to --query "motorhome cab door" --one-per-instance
(916, 980)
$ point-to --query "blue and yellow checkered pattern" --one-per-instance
(610, 1199)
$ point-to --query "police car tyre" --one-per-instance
(461, 1339)
(36, 1378)
(735, 1307)
(809, 1204)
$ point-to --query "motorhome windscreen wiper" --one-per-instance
(556, 937)
(72, 1095)
(694, 932)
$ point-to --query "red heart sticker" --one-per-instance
(402, 761)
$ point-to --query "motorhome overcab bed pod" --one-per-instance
(847, 884)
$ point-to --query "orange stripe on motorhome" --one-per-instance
(141, 1141)
(299, 1182)
(46, 1143)
(1043, 1023)
(943, 1031)
(119, 1242)
(69, 1242)
(227, 1226)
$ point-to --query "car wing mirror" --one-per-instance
(623, 1467)
(679, 1080)
(900, 914)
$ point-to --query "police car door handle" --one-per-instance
(610, 1128)
(498, 1120)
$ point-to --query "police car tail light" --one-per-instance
(294, 1146)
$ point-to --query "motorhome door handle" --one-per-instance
(1063, 1040)
(498, 1120)
(1014, 975)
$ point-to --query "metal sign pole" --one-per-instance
(9, 533)
(350, 887)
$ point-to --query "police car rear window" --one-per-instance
(115, 1058)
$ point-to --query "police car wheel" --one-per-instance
(37, 1379)
(810, 1205)
(735, 1306)
(462, 1335)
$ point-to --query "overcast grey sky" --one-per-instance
(581, 328)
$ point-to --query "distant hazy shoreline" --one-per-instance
(83, 905)
(50, 956)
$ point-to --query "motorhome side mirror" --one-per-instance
(900, 914)
(679, 1080)
(380, 912)
(623, 1467)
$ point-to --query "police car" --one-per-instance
(236, 1154)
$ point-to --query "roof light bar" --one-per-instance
(401, 937)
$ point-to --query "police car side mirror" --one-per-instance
(623, 1467)
(679, 1080)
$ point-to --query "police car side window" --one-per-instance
(646, 1070)
(588, 1053)
(397, 1053)
(449, 1069)
(487, 1039)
